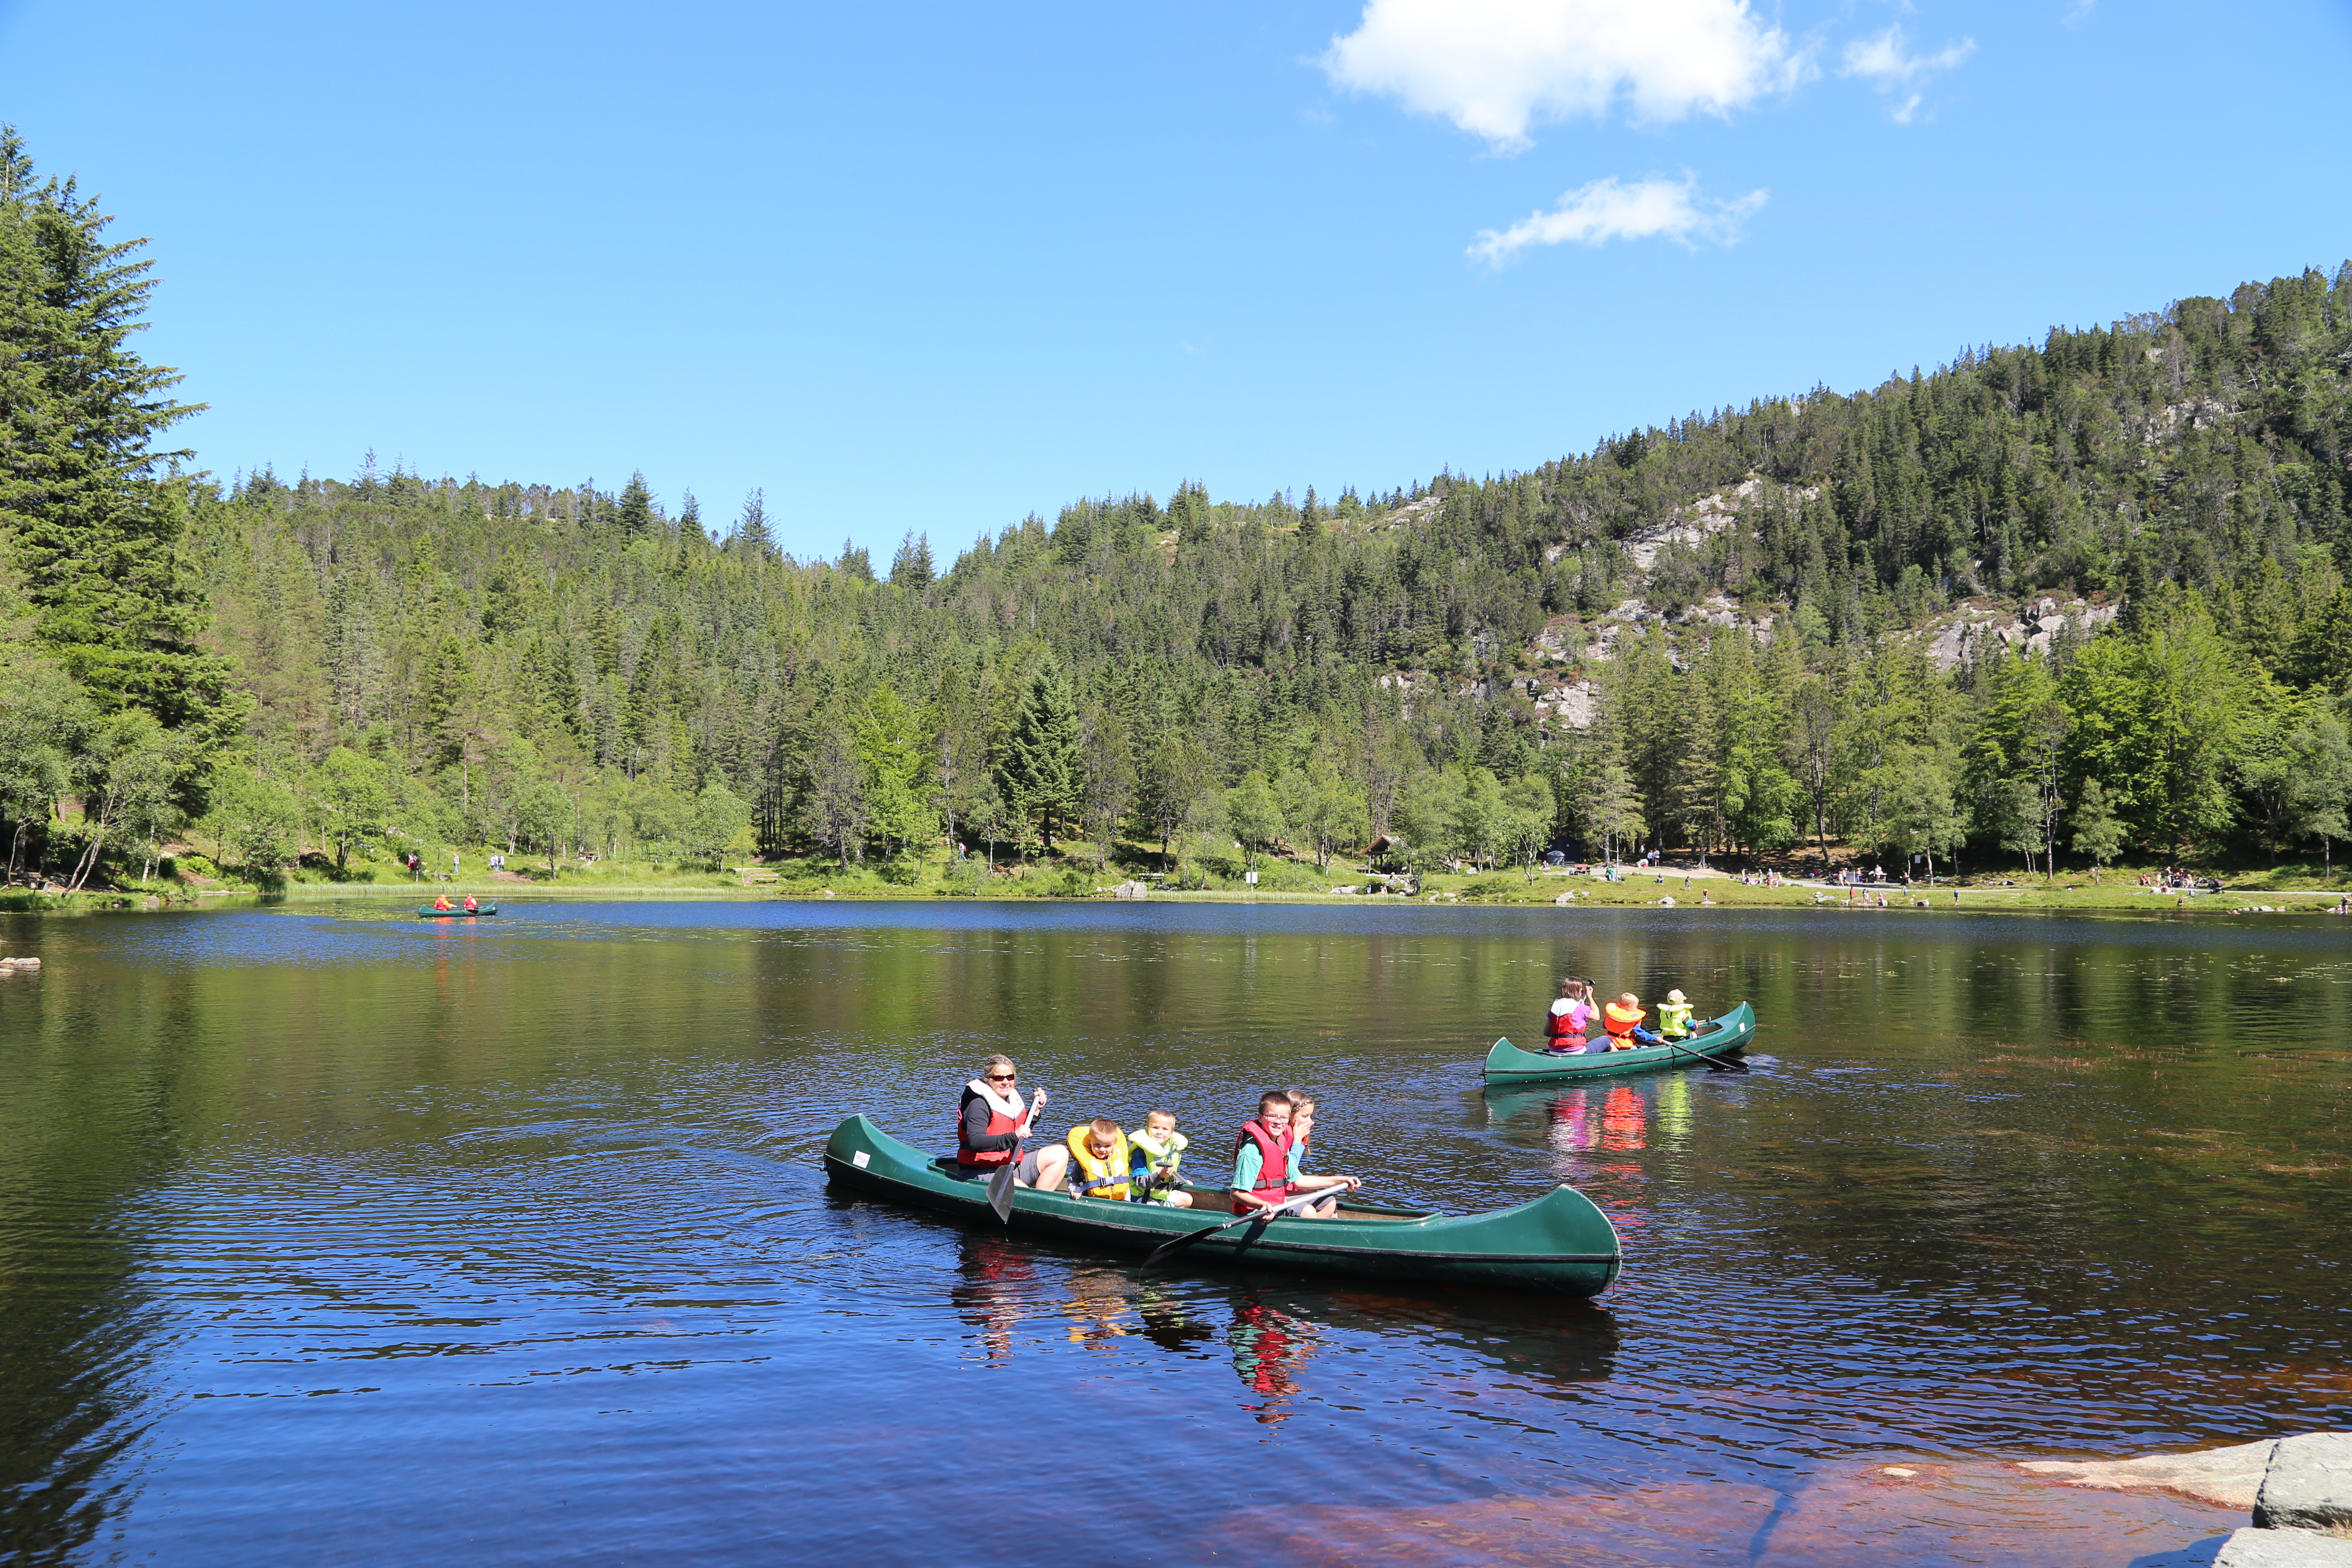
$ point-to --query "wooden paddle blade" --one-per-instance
(1000, 1192)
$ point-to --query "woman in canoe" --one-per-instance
(990, 1123)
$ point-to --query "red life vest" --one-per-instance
(998, 1125)
(1557, 1024)
(1273, 1161)
(470, 905)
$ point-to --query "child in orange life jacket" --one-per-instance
(1302, 1128)
(1623, 1019)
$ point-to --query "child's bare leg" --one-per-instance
(1180, 1200)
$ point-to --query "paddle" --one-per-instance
(1170, 1249)
(1710, 1063)
(1000, 1185)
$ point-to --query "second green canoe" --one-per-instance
(1507, 1063)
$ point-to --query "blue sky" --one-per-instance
(929, 268)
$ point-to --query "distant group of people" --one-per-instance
(1099, 1159)
(1568, 1024)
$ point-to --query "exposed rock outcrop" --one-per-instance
(2308, 1485)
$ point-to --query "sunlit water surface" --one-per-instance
(343, 1237)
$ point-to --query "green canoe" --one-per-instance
(1507, 1064)
(1560, 1243)
(430, 913)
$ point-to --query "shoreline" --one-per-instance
(1582, 894)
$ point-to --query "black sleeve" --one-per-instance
(976, 1135)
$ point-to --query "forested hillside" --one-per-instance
(1720, 635)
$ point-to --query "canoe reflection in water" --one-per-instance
(1269, 1333)
(989, 1290)
(1618, 1119)
(1269, 1345)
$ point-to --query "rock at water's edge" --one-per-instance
(2308, 1485)
(2231, 1475)
(2283, 1549)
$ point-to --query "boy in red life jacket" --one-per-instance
(1302, 1128)
(1262, 1155)
(990, 1123)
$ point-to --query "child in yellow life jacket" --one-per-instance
(1099, 1161)
(1675, 1017)
(1156, 1148)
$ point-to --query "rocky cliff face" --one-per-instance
(1557, 669)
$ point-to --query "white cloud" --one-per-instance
(1886, 63)
(1605, 210)
(1497, 66)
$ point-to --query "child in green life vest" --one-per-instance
(1675, 1017)
(1157, 1148)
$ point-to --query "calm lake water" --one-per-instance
(336, 1237)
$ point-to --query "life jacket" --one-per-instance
(1149, 1157)
(1674, 1019)
(1001, 1120)
(441, 903)
(1097, 1178)
(1274, 1162)
(1559, 1022)
(1619, 1021)
(470, 905)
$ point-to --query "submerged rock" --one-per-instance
(2308, 1486)
(2232, 1476)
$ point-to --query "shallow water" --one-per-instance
(343, 1238)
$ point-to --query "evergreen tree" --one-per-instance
(634, 516)
(1042, 771)
(97, 532)
(752, 532)
(911, 568)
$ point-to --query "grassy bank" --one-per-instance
(195, 881)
